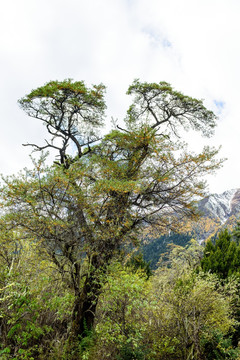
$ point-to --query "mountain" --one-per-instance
(221, 206)
(217, 211)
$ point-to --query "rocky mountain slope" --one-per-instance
(221, 206)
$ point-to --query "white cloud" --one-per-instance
(192, 44)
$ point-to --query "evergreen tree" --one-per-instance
(223, 257)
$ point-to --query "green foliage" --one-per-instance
(137, 262)
(121, 306)
(127, 352)
(170, 316)
(58, 97)
(223, 257)
(152, 99)
(191, 306)
(219, 347)
(34, 307)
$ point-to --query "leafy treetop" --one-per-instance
(162, 106)
(70, 111)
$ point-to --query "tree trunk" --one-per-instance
(84, 312)
(85, 304)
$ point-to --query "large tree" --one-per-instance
(85, 209)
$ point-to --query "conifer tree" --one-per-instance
(223, 257)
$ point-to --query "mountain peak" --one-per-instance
(221, 206)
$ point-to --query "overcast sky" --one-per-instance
(192, 44)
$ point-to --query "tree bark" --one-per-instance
(85, 303)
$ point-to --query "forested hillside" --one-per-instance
(154, 249)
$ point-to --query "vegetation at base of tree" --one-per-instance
(177, 313)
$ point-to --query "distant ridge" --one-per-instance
(221, 206)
